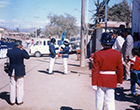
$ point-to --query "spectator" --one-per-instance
(118, 42)
(126, 52)
(27, 42)
(134, 68)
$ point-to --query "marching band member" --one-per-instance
(107, 71)
(65, 56)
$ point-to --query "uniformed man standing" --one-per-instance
(107, 71)
(17, 72)
(65, 55)
(3, 48)
(52, 55)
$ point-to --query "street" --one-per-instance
(58, 91)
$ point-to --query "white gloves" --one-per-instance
(119, 85)
(94, 87)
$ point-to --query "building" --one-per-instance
(136, 16)
(12, 34)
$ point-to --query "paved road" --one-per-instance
(60, 92)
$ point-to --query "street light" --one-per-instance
(36, 24)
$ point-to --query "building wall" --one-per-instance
(136, 16)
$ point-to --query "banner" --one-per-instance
(63, 37)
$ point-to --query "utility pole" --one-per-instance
(105, 16)
(36, 25)
(82, 59)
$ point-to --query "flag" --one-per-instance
(63, 37)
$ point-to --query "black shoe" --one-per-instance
(125, 79)
(12, 103)
(50, 73)
(135, 95)
(19, 103)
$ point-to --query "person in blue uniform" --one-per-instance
(3, 48)
(65, 56)
(17, 72)
(52, 55)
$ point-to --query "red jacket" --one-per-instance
(135, 64)
(107, 60)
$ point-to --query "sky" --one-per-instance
(26, 14)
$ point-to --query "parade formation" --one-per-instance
(108, 66)
(56, 63)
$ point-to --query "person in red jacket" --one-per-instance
(134, 70)
(107, 71)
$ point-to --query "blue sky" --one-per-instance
(33, 13)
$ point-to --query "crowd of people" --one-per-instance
(116, 62)
(5, 45)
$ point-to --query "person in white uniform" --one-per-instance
(52, 55)
(65, 56)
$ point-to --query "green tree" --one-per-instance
(99, 14)
(120, 12)
(60, 22)
(38, 31)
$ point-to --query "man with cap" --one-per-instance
(17, 72)
(65, 56)
(107, 71)
(52, 55)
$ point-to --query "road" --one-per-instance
(58, 91)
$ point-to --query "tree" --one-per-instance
(99, 15)
(60, 22)
(17, 29)
(120, 12)
(38, 31)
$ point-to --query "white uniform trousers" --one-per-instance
(65, 64)
(127, 69)
(3, 53)
(104, 94)
(0, 53)
(16, 89)
(52, 60)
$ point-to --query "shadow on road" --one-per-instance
(5, 96)
(74, 65)
(46, 72)
(120, 95)
(68, 108)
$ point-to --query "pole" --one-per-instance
(105, 16)
(87, 38)
(36, 25)
(82, 59)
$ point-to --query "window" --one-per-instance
(44, 43)
(38, 43)
(48, 43)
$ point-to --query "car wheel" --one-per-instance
(37, 54)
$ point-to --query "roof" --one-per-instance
(112, 24)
